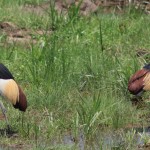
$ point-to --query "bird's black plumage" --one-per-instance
(5, 73)
(147, 66)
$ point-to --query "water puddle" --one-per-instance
(70, 140)
(125, 139)
(131, 138)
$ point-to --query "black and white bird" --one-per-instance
(11, 91)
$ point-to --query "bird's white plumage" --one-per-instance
(147, 82)
(3, 83)
(9, 90)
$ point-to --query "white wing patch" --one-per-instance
(147, 82)
(9, 89)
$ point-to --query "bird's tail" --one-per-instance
(13, 93)
(22, 103)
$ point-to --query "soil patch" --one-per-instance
(8, 132)
(86, 7)
(17, 35)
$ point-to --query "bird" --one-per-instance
(11, 92)
(139, 82)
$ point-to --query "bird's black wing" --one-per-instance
(5, 73)
(147, 66)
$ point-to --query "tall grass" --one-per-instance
(77, 80)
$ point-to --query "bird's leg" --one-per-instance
(4, 113)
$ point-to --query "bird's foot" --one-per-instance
(9, 129)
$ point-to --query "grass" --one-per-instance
(77, 79)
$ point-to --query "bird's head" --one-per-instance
(147, 66)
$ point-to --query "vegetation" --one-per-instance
(76, 77)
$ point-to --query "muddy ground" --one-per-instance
(15, 34)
